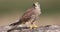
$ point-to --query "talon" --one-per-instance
(33, 26)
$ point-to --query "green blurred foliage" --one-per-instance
(48, 7)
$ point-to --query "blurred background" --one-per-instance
(12, 10)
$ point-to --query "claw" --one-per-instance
(33, 26)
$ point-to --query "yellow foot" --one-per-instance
(33, 26)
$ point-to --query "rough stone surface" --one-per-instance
(47, 28)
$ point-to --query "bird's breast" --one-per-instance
(37, 11)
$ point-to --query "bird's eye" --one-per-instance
(33, 4)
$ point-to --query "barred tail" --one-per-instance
(16, 23)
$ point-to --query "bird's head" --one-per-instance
(36, 5)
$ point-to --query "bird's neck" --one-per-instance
(37, 7)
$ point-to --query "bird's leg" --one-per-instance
(32, 26)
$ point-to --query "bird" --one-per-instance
(31, 14)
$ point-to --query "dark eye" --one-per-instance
(33, 4)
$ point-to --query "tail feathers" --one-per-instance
(14, 24)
